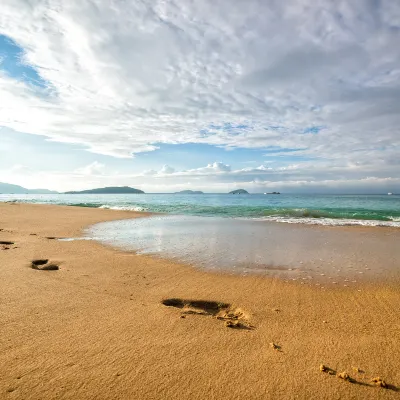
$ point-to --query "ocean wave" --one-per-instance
(329, 214)
(332, 221)
(107, 206)
(88, 205)
(123, 208)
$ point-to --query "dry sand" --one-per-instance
(97, 328)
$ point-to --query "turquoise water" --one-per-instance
(310, 209)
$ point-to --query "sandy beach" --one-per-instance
(97, 328)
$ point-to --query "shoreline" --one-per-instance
(311, 255)
(97, 328)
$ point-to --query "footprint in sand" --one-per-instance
(44, 265)
(234, 317)
(5, 244)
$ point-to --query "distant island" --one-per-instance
(8, 188)
(190, 192)
(108, 190)
(273, 193)
(239, 191)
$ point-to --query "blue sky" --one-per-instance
(72, 156)
(204, 95)
(14, 65)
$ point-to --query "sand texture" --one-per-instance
(80, 320)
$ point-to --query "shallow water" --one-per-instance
(310, 254)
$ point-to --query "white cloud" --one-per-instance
(166, 170)
(149, 172)
(124, 77)
(95, 168)
(210, 169)
(20, 169)
(218, 166)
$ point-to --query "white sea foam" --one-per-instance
(332, 221)
(123, 208)
(72, 239)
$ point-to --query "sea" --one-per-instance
(315, 209)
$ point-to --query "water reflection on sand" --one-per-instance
(309, 254)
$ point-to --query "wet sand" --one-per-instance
(114, 325)
(313, 255)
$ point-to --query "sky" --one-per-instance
(163, 95)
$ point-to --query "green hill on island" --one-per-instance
(109, 190)
(190, 192)
(8, 188)
(239, 191)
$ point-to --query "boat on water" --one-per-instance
(390, 193)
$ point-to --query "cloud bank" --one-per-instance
(216, 177)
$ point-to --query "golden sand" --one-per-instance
(113, 325)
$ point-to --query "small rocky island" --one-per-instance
(239, 191)
(190, 192)
(109, 190)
